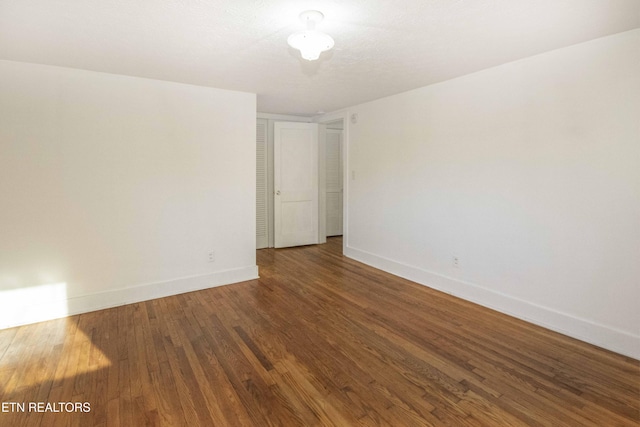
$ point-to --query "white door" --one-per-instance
(334, 182)
(295, 184)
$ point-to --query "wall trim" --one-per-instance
(131, 295)
(284, 117)
(582, 329)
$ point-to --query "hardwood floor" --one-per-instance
(318, 340)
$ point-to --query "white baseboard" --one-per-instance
(57, 305)
(585, 330)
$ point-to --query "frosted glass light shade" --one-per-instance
(310, 43)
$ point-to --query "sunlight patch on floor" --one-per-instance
(50, 351)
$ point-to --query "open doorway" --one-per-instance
(333, 144)
(331, 178)
(265, 185)
(334, 179)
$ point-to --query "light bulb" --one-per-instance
(310, 43)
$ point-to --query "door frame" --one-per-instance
(343, 115)
(271, 119)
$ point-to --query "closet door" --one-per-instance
(262, 212)
(334, 182)
(295, 184)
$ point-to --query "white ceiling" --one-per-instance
(382, 47)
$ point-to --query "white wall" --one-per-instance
(529, 173)
(114, 189)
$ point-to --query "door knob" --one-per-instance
(278, 193)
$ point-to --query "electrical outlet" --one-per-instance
(212, 256)
(456, 262)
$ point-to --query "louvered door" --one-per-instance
(262, 212)
(334, 182)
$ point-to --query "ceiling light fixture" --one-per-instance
(311, 43)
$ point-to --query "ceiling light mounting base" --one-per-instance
(311, 18)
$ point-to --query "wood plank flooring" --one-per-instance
(318, 340)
